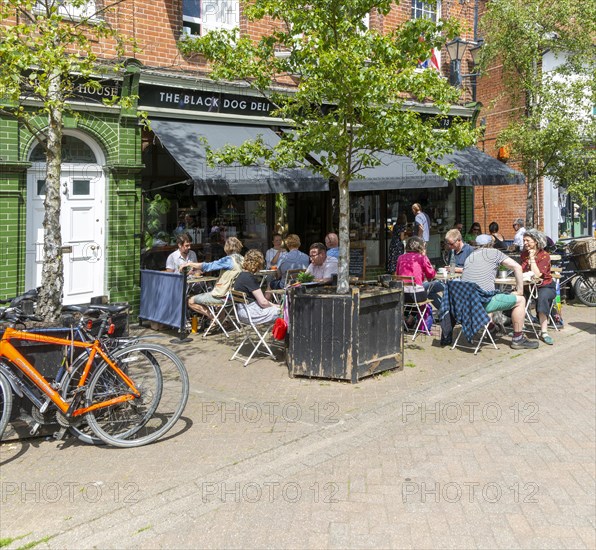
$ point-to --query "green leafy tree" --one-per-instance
(47, 50)
(555, 134)
(354, 94)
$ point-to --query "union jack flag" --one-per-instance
(431, 63)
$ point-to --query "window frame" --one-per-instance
(78, 14)
(205, 25)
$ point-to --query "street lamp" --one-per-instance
(456, 50)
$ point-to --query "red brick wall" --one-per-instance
(501, 203)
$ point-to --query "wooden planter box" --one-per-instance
(345, 337)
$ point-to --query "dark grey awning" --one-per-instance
(395, 172)
(474, 167)
(183, 141)
(478, 168)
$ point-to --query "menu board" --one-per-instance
(357, 261)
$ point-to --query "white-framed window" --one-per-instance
(425, 10)
(67, 10)
(201, 16)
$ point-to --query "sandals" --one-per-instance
(547, 339)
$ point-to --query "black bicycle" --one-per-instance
(581, 281)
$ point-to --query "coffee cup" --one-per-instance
(442, 271)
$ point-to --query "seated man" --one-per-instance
(231, 266)
(481, 268)
(322, 267)
(181, 256)
(294, 259)
(518, 239)
(458, 249)
(332, 244)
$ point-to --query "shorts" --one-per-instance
(501, 302)
(207, 299)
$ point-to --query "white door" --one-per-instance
(82, 219)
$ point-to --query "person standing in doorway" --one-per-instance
(421, 223)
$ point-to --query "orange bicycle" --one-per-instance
(127, 397)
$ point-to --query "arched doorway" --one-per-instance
(82, 217)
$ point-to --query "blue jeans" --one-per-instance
(434, 290)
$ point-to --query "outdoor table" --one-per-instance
(533, 289)
(446, 277)
(265, 273)
(199, 283)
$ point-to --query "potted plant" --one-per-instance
(155, 209)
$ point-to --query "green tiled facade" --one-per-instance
(120, 138)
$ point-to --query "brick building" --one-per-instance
(113, 166)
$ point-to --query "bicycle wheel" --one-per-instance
(585, 290)
(5, 402)
(162, 379)
(79, 428)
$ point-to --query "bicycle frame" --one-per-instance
(9, 352)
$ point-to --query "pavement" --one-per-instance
(495, 450)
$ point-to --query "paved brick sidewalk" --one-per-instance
(458, 451)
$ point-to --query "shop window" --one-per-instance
(365, 224)
(73, 150)
(201, 16)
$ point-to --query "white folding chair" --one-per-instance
(221, 314)
(485, 329)
(250, 329)
(415, 308)
(485, 332)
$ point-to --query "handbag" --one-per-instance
(280, 328)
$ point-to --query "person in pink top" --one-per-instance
(415, 263)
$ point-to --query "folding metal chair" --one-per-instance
(415, 308)
(221, 314)
(250, 329)
(470, 299)
(485, 332)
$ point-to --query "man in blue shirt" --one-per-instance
(458, 248)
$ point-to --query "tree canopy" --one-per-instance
(48, 48)
(355, 94)
(556, 134)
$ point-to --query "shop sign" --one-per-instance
(96, 90)
(107, 89)
(209, 102)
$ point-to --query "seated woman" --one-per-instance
(261, 310)
(537, 260)
(475, 231)
(415, 263)
(498, 239)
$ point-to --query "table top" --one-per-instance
(200, 279)
(447, 276)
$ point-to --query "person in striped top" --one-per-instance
(481, 268)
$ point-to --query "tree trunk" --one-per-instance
(52, 276)
(343, 272)
(531, 194)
